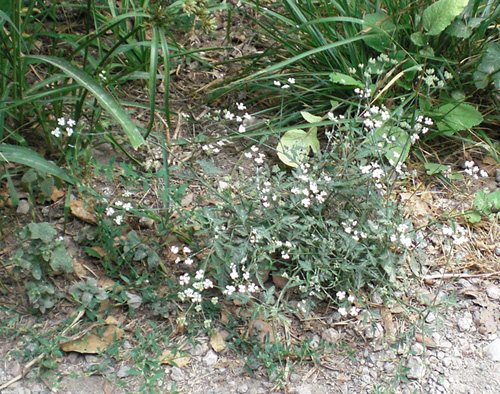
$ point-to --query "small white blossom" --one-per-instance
(119, 219)
(340, 295)
(56, 132)
(343, 311)
(188, 261)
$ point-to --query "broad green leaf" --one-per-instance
(395, 151)
(480, 202)
(61, 260)
(494, 199)
(435, 168)
(458, 117)
(489, 68)
(296, 144)
(418, 39)
(102, 96)
(473, 216)
(379, 37)
(343, 79)
(30, 158)
(438, 16)
(310, 118)
(43, 231)
(459, 29)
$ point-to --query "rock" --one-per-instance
(304, 389)
(416, 368)
(242, 388)
(134, 301)
(199, 349)
(314, 342)
(177, 374)
(493, 350)
(23, 207)
(374, 332)
(123, 371)
(210, 358)
(465, 322)
(418, 348)
(497, 251)
(493, 292)
(294, 377)
(330, 335)
(21, 390)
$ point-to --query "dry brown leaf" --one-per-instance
(280, 281)
(427, 341)
(488, 321)
(56, 194)
(82, 213)
(95, 342)
(261, 330)
(167, 357)
(389, 327)
(217, 342)
(478, 296)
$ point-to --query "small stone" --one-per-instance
(123, 371)
(330, 335)
(243, 388)
(493, 292)
(314, 343)
(294, 378)
(177, 375)
(199, 349)
(493, 350)
(210, 358)
(134, 301)
(431, 317)
(418, 348)
(465, 322)
(416, 368)
(374, 332)
(146, 222)
(21, 390)
(23, 207)
(447, 362)
(303, 390)
(497, 251)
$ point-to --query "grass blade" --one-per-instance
(104, 98)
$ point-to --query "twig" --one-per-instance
(24, 372)
(452, 276)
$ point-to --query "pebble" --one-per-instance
(465, 322)
(123, 371)
(21, 390)
(497, 251)
(199, 349)
(303, 390)
(23, 207)
(492, 350)
(416, 368)
(177, 375)
(493, 292)
(330, 335)
(242, 388)
(374, 332)
(210, 358)
(294, 377)
(134, 301)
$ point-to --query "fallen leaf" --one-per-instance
(95, 342)
(427, 341)
(478, 296)
(389, 327)
(84, 214)
(280, 281)
(167, 357)
(488, 321)
(261, 330)
(217, 342)
(56, 194)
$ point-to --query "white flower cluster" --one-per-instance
(420, 127)
(431, 80)
(363, 93)
(402, 236)
(213, 149)
(110, 211)
(103, 76)
(186, 251)
(285, 254)
(228, 115)
(258, 157)
(349, 228)
(344, 311)
(64, 125)
(291, 81)
(241, 280)
(198, 284)
(310, 191)
(376, 172)
(473, 170)
(375, 117)
(458, 236)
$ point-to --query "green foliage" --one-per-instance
(485, 205)
(88, 293)
(439, 15)
(488, 70)
(42, 255)
(457, 117)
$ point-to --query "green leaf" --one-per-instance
(344, 79)
(439, 15)
(296, 144)
(44, 231)
(458, 117)
(494, 199)
(310, 118)
(489, 68)
(104, 98)
(459, 29)
(473, 216)
(480, 202)
(380, 36)
(435, 168)
(30, 158)
(418, 39)
(61, 260)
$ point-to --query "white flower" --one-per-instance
(214, 300)
(119, 203)
(71, 123)
(199, 274)
(119, 219)
(469, 164)
(252, 288)
(241, 129)
(286, 86)
(351, 298)
(229, 115)
(483, 174)
(343, 311)
(174, 249)
(110, 211)
(186, 249)
(127, 206)
(354, 311)
(56, 132)
(61, 122)
(241, 106)
(285, 255)
(340, 295)
(188, 261)
(184, 279)
(291, 81)
(277, 83)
